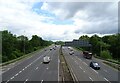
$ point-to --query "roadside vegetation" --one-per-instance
(59, 42)
(14, 47)
(106, 47)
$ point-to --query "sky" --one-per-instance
(59, 21)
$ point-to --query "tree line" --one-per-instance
(14, 47)
(106, 47)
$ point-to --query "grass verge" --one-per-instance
(116, 66)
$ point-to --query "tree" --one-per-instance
(106, 54)
(22, 43)
(35, 41)
(8, 44)
(14, 47)
(94, 40)
(84, 37)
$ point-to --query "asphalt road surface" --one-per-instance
(33, 68)
(83, 72)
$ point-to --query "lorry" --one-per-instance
(87, 54)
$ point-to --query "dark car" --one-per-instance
(45, 49)
(54, 48)
(94, 65)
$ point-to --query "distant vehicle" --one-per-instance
(87, 54)
(46, 59)
(71, 53)
(54, 48)
(94, 65)
(45, 50)
(50, 48)
(55, 45)
(70, 48)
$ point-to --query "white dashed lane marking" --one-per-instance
(85, 63)
(91, 79)
(41, 81)
(94, 71)
(36, 68)
(20, 71)
(80, 67)
(105, 70)
(26, 80)
(106, 79)
(12, 78)
(16, 74)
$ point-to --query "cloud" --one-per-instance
(89, 17)
(57, 21)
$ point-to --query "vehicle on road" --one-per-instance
(55, 45)
(54, 48)
(46, 59)
(71, 52)
(50, 48)
(71, 49)
(94, 65)
(87, 54)
(45, 50)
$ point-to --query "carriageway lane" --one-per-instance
(81, 70)
(108, 72)
(30, 69)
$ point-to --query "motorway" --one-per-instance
(33, 68)
(82, 72)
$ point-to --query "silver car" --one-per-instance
(46, 59)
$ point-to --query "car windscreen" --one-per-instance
(96, 64)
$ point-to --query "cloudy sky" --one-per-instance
(58, 20)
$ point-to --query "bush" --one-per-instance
(105, 54)
(12, 56)
(4, 59)
(17, 53)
